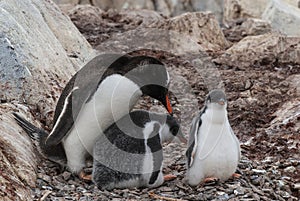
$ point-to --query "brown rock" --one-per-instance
(262, 50)
(201, 27)
(239, 29)
(17, 159)
(244, 9)
(123, 4)
(185, 34)
(286, 118)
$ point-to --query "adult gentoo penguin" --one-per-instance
(129, 154)
(100, 93)
(214, 150)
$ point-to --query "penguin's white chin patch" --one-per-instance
(218, 105)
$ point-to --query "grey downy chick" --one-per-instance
(129, 154)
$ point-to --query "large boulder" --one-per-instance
(255, 51)
(286, 118)
(166, 7)
(283, 17)
(40, 49)
(188, 33)
(234, 9)
(238, 29)
(215, 6)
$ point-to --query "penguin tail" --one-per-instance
(33, 132)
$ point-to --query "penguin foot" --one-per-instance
(85, 177)
(210, 180)
(169, 177)
(236, 176)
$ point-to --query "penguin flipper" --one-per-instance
(193, 140)
(65, 120)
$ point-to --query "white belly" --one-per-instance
(114, 98)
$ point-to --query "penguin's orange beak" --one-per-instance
(168, 105)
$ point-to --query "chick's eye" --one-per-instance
(209, 99)
(174, 130)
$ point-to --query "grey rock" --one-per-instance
(259, 171)
(66, 175)
(283, 17)
(215, 6)
(290, 169)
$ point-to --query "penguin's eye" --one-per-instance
(174, 130)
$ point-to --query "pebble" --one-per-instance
(296, 186)
(280, 183)
(66, 175)
(259, 171)
(44, 177)
(225, 196)
(69, 188)
(165, 189)
(290, 169)
(239, 191)
(47, 188)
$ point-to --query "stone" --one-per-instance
(89, 14)
(37, 53)
(74, 2)
(259, 171)
(238, 29)
(201, 27)
(294, 84)
(234, 9)
(296, 186)
(192, 33)
(290, 169)
(123, 4)
(215, 6)
(254, 26)
(286, 118)
(66, 175)
(254, 51)
(283, 17)
(18, 163)
(165, 7)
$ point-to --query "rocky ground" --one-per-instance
(270, 164)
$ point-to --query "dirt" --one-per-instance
(270, 164)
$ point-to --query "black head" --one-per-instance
(152, 78)
(175, 129)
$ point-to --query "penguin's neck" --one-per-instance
(115, 97)
(216, 114)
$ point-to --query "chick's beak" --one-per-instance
(222, 102)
